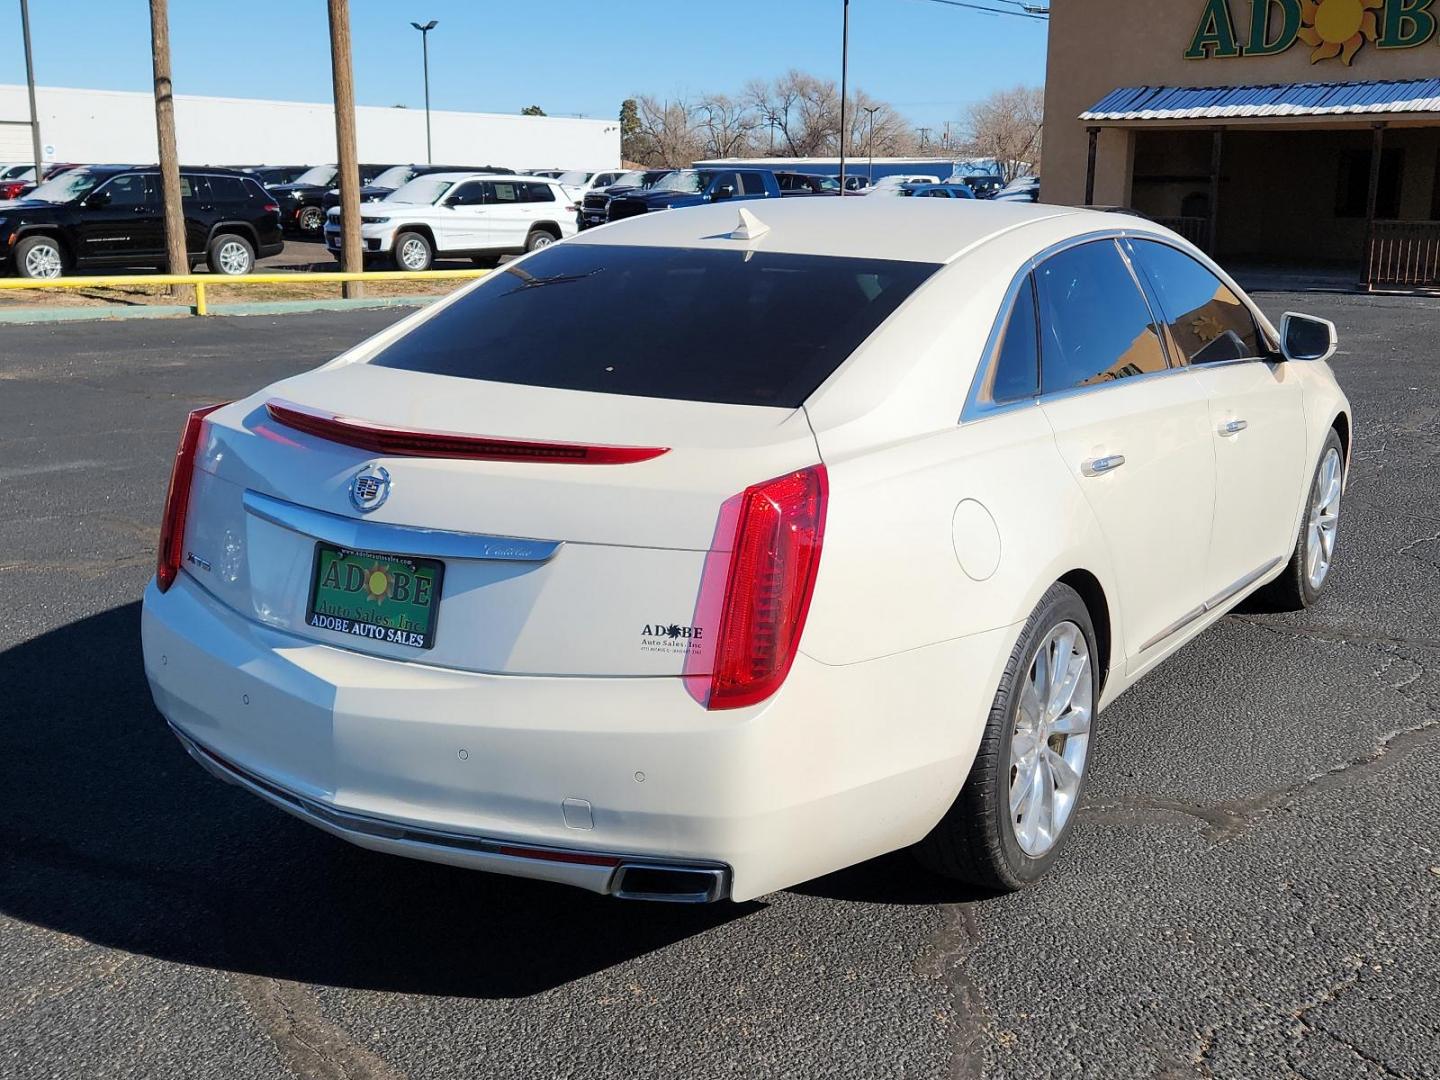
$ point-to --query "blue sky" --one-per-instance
(565, 56)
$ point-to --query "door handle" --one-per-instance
(1100, 465)
(1232, 427)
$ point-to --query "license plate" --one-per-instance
(374, 596)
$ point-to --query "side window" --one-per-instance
(255, 192)
(126, 190)
(537, 193)
(726, 179)
(504, 192)
(1207, 320)
(227, 189)
(1096, 325)
(1016, 373)
(467, 195)
(192, 186)
(751, 184)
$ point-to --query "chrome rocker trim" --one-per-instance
(1220, 598)
(395, 539)
(691, 883)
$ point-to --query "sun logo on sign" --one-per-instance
(377, 583)
(1337, 27)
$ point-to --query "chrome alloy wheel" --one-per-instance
(1324, 519)
(412, 254)
(233, 258)
(43, 261)
(541, 240)
(1051, 740)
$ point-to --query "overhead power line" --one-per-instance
(1019, 8)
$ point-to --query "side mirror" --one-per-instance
(1307, 337)
(724, 191)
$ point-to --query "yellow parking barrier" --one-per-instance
(200, 281)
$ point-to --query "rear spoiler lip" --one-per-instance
(395, 441)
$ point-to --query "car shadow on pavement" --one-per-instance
(109, 832)
(896, 878)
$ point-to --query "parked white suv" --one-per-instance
(475, 214)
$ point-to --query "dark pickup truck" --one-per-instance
(695, 187)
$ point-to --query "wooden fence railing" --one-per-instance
(1404, 254)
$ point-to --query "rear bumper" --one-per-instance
(845, 763)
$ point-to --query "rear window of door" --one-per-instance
(1095, 323)
(731, 327)
(751, 184)
(227, 189)
(1208, 322)
(498, 191)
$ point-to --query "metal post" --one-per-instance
(30, 85)
(872, 110)
(844, 76)
(351, 257)
(1217, 149)
(1094, 133)
(1372, 199)
(425, 53)
(176, 258)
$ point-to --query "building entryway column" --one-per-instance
(1094, 133)
(1372, 200)
(1217, 150)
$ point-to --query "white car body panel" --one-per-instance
(943, 530)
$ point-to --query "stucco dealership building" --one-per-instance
(1265, 130)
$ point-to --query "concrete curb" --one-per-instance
(157, 311)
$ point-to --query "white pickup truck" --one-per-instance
(480, 215)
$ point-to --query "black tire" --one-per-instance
(412, 251)
(540, 238)
(975, 841)
(36, 256)
(1293, 590)
(230, 254)
(311, 220)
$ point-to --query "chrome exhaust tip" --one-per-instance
(670, 884)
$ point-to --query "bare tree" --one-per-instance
(892, 134)
(1006, 126)
(727, 126)
(667, 134)
(806, 111)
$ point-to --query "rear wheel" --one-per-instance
(230, 254)
(539, 238)
(1310, 563)
(412, 252)
(1015, 812)
(39, 257)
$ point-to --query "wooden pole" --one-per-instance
(1372, 201)
(176, 259)
(352, 259)
(1094, 133)
(1217, 161)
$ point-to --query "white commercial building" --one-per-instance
(94, 126)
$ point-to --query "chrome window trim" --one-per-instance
(977, 408)
(363, 535)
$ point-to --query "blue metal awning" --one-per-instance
(1282, 99)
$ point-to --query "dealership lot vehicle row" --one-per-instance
(1250, 890)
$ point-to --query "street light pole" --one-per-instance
(872, 110)
(844, 75)
(30, 84)
(425, 52)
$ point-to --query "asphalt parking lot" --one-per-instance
(1253, 891)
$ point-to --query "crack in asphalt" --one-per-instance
(946, 959)
(1305, 1026)
(311, 1047)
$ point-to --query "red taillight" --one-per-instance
(177, 499)
(271, 208)
(418, 442)
(584, 858)
(768, 584)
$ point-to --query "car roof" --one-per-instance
(472, 175)
(905, 230)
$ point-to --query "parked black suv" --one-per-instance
(302, 204)
(395, 177)
(111, 215)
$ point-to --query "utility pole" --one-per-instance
(352, 259)
(177, 262)
(425, 51)
(772, 120)
(871, 110)
(844, 74)
(924, 137)
(30, 85)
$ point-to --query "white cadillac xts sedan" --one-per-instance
(692, 558)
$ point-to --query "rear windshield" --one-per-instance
(730, 327)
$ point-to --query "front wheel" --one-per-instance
(1015, 811)
(39, 258)
(1310, 563)
(412, 252)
